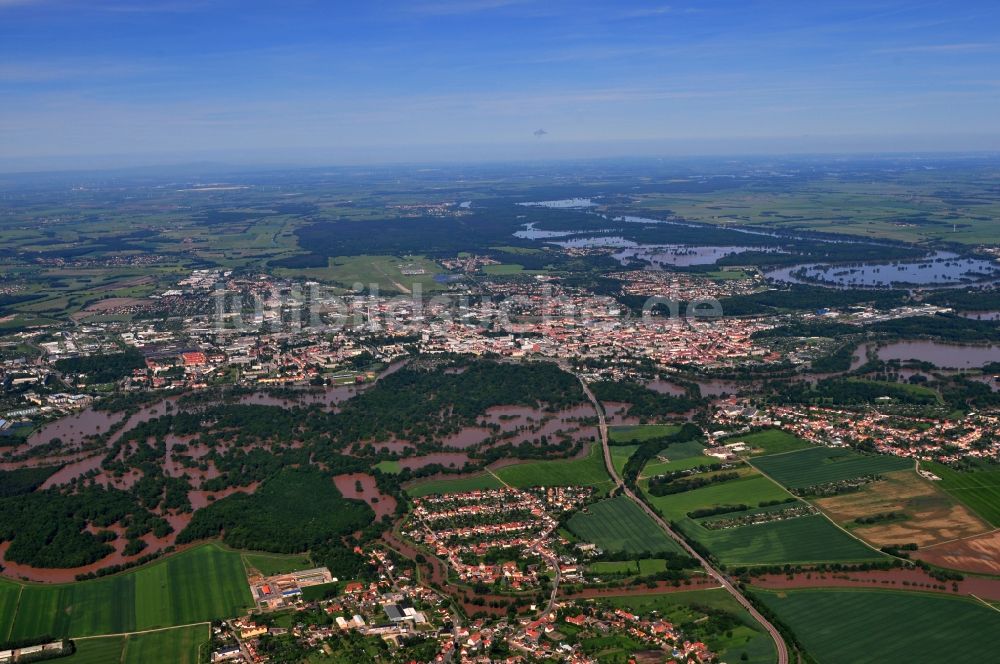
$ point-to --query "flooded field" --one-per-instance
(348, 485)
(941, 269)
(447, 459)
(563, 204)
(677, 255)
(943, 355)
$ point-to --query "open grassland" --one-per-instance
(929, 515)
(749, 490)
(978, 489)
(772, 441)
(806, 539)
(200, 584)
(640, 432)
(618, 524)
(689, 607)
(818, 465)
(589, 471)
(454, 485)
(878, 626)
(269, 564)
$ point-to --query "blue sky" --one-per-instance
(344, 81)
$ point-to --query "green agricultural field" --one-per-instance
(649, 566)
(689, 608)
(455, 485)
(877, 626)
(384, 271)
(392, 467)
(618, 524)
(97, 651)
(641, 567)
(640, 432)
(620, 455)
(588, 471)
(818, 465)
(506, 269)
(174, 646)
(979, 490)
(200, 584)
(772, 441)
(807, 539)
(9, 592)
(183, 645)
(276, 563)
(657, 467)
(748, 490)
(614, 567)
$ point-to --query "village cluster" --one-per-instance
(401, 612)
(945, 440)
(511, 527)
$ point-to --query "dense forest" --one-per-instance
(423, 405)
(945, 327)
(297, 510)
(46, 528)
(802, 297)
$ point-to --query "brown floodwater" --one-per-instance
(666, 387)
(447, 459)
(380, 503)
(467, 437)
(943, 355)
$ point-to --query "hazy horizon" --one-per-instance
(117, 83)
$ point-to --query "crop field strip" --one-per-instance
(454, 485)
(639, 432)
(979, 490)
(862, 626)
(618, 524)
(749, 490)
(589, 471)
(819, 465)
(657, 467)
(201, 584)
(773, 441)
(804, 539)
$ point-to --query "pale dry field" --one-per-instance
(932, 515)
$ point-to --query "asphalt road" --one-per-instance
(779, 643)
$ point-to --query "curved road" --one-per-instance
(779, 643)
